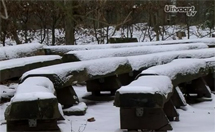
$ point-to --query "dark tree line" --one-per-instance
(26, 17)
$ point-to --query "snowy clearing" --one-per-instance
(198, 117)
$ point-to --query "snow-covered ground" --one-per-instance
(199, 117)
(141, 31)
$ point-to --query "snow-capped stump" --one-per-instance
(34, 107)
(123, 52)
(142, 102)
(22, 50)
(14, 68)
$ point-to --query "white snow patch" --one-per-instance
(149, 60)
(149, 84)
(198, 117)
(182, 66)
(104, 66)
(34, 88)
(93, 67)
(19, 51)
(79, 107)
(7, 64)
(132, 51)
(210, 62)
(66, 48)
(6, 92)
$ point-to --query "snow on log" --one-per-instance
(131, 51)
(72, 72)
(34, 99)
(19, 51)
(16, 67)
(84, 70)
(180, 70)
(65, 48)
(143, 62)
(146, 91)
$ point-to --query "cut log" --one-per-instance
(123, 52)
(61, 50)
(14, 68)
(19, 51)
(181, 70)
(70, 73)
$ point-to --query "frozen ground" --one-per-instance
(199, 117)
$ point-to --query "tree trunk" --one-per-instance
(53, 34)
(69, 24)
(188, 26)
(16, 38)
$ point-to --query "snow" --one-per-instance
(208, 41)
(19, 51)
(34, 88)
(149, 84)
(195, 119)
(79, 107)
(104, 66)
(108, 65)
(93, 68)
(6, 92)
(178, 66)
(66, 48)
(210, 62)
(146, 61)
(132, 51)
(198, 117)
(7, 64)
